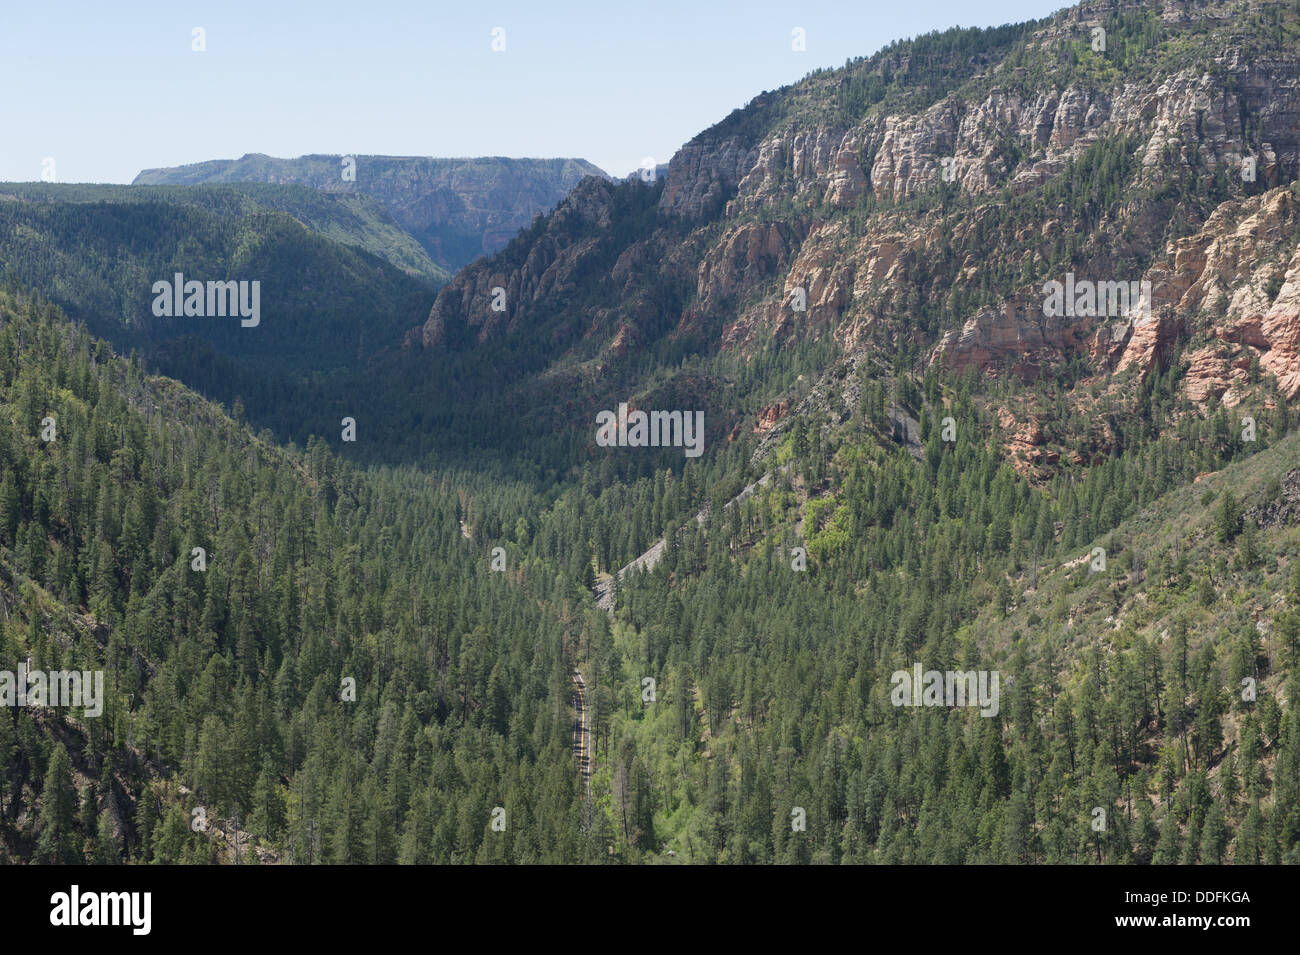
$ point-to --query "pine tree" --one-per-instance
(1249, 836)
(1227, 517)
(268, 816)
(1167, 851)
(146, 821)
(57, 821)
(1214, 838)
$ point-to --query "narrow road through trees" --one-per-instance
(582, 731)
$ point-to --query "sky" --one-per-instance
(107, 89)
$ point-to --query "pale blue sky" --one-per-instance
(107, 89)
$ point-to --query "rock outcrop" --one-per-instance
(925, 218)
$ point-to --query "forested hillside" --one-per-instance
(456, 209)
(346, 218)
(225, 686)
(327, 303)
(912, 206)
(1122, 687)
(910, 464)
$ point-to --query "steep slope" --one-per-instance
(946, 475)
(1147, 673)
(909, 465)
(295, 657)
(914, 207)
(348, 219)
(457, 209)
(324, 307)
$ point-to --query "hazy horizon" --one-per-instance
(109, 94)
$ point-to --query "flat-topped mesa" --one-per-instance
(457, 209)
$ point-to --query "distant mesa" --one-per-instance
(457, 209)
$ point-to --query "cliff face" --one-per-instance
(703, 174)
(458, 209)
(549, 269)
(921, 199)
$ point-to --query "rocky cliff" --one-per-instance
(919, 201)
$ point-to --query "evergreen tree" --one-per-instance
(58, 841)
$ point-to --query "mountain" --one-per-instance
(223, 726)
(917, 455)
(983, 545)
(457, 209)
(326, 302)
(353, 220)
(914, 205)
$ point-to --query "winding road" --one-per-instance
(582, 731)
